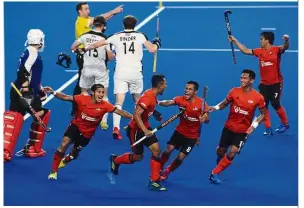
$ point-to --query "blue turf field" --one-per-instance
(266, 173)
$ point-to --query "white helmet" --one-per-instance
(36, 37)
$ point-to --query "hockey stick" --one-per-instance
(47, 129)
(242, 144)
(161, 126)
(206, 89)
(157, 35)
(229, 33)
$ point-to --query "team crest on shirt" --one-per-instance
(98, 109)
(195, 109)
(250, 101)
(239, 110)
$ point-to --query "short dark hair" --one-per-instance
(268, 36)
(99, 20)
(96, 86)
(157, 79)
(250, 72)
(196, 85)
(129, 22)
(79, 6)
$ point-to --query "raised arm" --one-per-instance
(58, 95)
(285, 46)
(242, 48)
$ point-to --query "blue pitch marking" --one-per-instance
(264, 174)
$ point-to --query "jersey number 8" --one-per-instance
(131, 48)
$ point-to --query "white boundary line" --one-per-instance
(208, 50)
(234, 7)
(65, 85)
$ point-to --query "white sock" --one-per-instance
(105, 117)
(116, 118)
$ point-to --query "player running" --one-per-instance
(90, 110)
(95, 69)
(187, 133)
(128, 70)
(271, 77)
(138, 127)
(28, 80)
(243, 102)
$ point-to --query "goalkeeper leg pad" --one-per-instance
(13, 122)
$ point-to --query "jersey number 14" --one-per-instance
(131, 48)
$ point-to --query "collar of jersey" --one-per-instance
(129, 30)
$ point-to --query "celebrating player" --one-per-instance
(90, 110)
(271, 77)
(243, 102)
(29, 81)
(139, 127)
(83, 25)
(95, 69)
(128, 71)
(187, 133)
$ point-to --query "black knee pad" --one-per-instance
(276, 104)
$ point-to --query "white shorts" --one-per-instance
(93, 76)
(123, 86)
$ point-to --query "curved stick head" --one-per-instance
(227, 12)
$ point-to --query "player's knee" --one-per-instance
(136, 158)
(231, 155)
(276, 104)
(220, 151)
(178, 160)
(156, 152)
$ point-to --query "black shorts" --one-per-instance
(16, 106)
(271, 92)
(76, 136)
(182, 143)
(137, 135)
(230, 138)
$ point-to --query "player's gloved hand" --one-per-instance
(42, 94)
(157, 115)
(157, 42)
(148, 133)
(285, 37)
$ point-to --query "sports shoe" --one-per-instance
(268, 132)
(156, 186)
(116, 134)
(214, 179)
(282, 128)
(53, 176)
(104, 125)
(113, 166)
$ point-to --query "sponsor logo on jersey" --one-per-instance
(239, 110)
(186, 117)
(250, 101)
(88, 118)
(267, 63)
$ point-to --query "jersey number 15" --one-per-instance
(131, 48)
